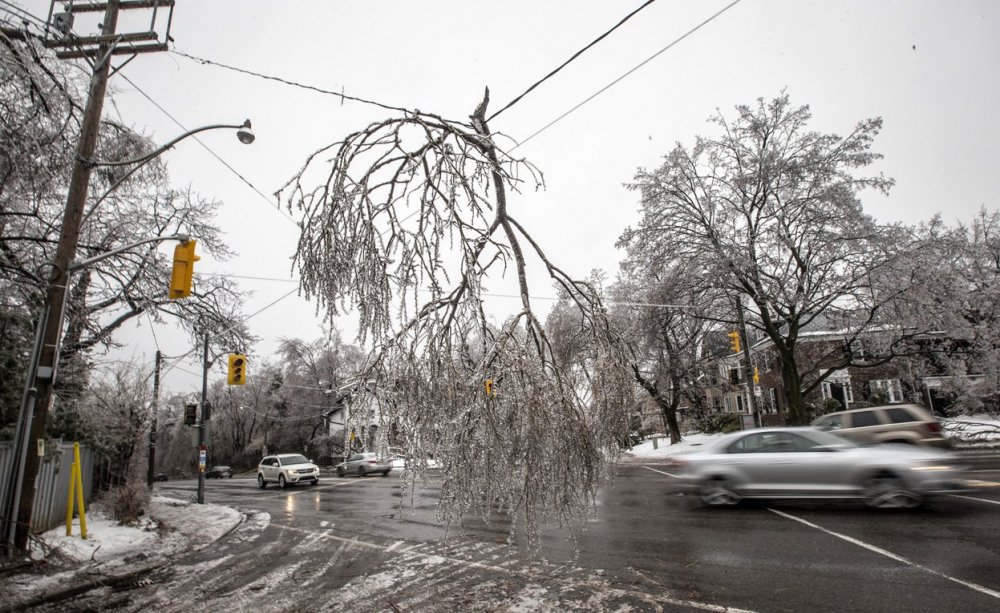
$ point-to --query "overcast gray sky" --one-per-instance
(928, 68)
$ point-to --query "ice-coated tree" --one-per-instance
(409, 226)
(772, 212)
(40, 123)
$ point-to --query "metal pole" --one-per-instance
(65, 252)
(201, 425)
(152, 424)
(749, 363)
(20, 449)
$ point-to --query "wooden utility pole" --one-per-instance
(150, 472)
(55, 299)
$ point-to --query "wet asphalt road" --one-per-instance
(348, 545)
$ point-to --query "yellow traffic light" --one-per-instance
(237, 369)
(734, 341)
(756, 376)
(489, 387)
(183, 272)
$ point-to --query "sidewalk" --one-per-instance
(63, 567)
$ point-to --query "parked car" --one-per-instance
(219, 472)
(807, 463)
(895, 423)
(286, 469)
(160, 477)
(361, 464)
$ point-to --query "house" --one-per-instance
(866, 381)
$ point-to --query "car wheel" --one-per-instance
(230, 475)
(281, 482)
(385, 473)
(718, 492)
(341, 472)
(362, 472)
(887, 491)
(260, 481)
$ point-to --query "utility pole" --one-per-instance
(749, 363)
(152, 424)
(65, 253)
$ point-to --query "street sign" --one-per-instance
(747, 421)
(202, 457)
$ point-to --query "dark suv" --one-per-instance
(219, 472)
(894, 423)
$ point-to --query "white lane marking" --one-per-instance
(974, 586)
(662, 472)
(976, 499)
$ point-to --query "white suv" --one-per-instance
(286, 469)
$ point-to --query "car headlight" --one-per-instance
(933, 467)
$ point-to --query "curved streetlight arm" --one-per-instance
(244, 133)
(146, 158)
(81, 264)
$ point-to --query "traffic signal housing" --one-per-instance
(183, 272)
(190, 414)
(734, 341)
(237, 369)
(488, 384)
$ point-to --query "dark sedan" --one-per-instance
(219, 472)
(807, 463)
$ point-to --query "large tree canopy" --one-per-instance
(770, 210)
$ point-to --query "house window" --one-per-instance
(773, 397)
(889, 389)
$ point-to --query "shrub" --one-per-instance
(127, 502)
(718, 422)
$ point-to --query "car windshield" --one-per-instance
(294, 459)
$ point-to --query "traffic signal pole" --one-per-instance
(55, 299)
(202, 451)
(749, 364)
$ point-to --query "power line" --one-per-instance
(573, 57)
(637, 67)
(276, 205)
(339, 94)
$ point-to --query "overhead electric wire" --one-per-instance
(276, 205)
(629, 72)
(339, 94)
(573, 57)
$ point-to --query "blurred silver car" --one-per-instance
(361, 464)
(808, 463)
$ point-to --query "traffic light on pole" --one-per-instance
(237, 369)
(183, 271)
(488, 384)
(190, 414)
(734, 341)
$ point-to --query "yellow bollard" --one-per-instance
(69, 499)
(78, 475)
(75, 494)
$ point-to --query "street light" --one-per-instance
(41, 371)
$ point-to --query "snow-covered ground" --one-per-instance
(172, 526)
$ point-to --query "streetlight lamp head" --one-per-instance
(245, 134)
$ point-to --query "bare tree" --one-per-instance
(409, 224)
(40, 124)
(771, 211)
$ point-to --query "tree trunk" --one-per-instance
(797, 413)
(668, 407)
